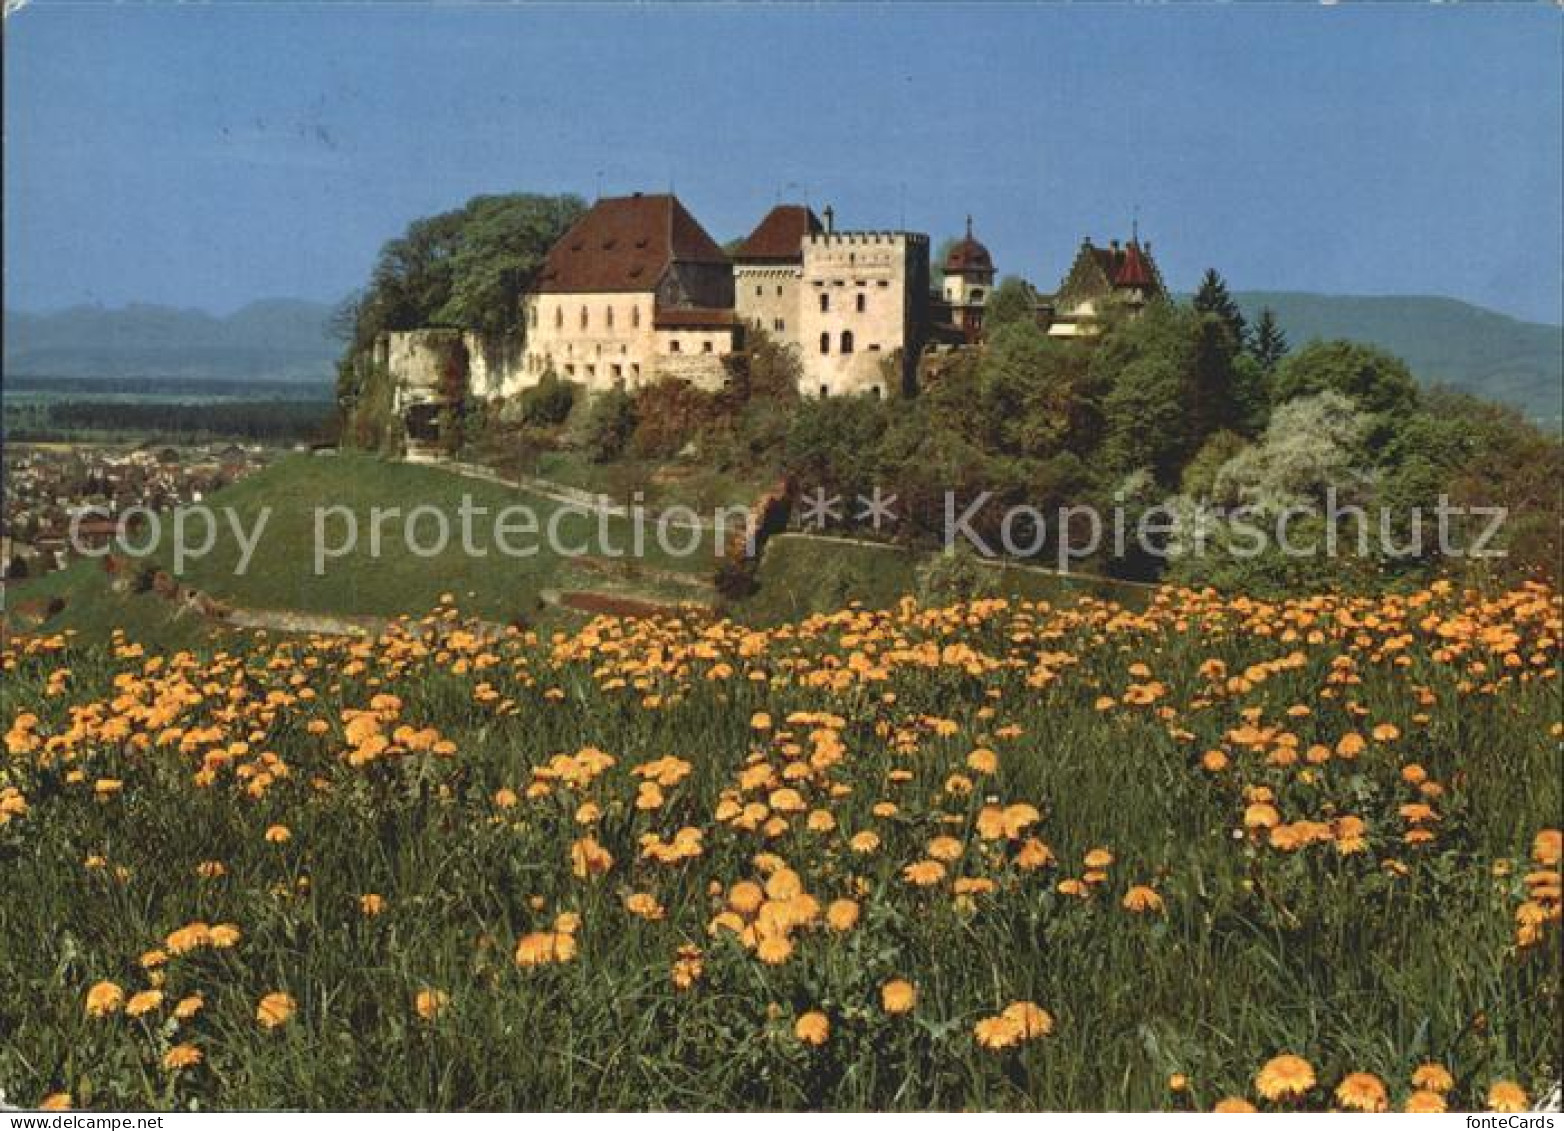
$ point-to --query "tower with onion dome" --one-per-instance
(969, 280)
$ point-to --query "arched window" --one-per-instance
(862, 302)
(825, 343)
(847, 341)
(825, 303)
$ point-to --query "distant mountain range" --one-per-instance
(274, 339)
(1445, 341)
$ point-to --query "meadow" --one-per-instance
(1200, 853)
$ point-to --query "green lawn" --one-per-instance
(311, 497)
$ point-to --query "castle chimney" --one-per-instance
(829, 216)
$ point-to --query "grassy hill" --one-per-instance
(1446, 342)
(545, 588)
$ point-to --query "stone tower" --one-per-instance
(969, 280)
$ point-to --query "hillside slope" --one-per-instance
(1445, 341)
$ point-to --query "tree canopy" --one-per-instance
(466, 268)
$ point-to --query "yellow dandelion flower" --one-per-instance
(1233, 1105)
(103, 999)
(430, 1003)
(1362, 1091)
(1507, 1096)
(1283, 1077)
(144, 1002)
(275, 1009)
(1141, 900)
(1424, 1102)
(898, 996)
(812, 1028)
(182, 1056)
(995, 1033)
(842, 915)
(1432, 1077)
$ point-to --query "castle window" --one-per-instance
(825, 390)
(532, 318)
(635, 370)
(861, 303)
(779, 290)
(847, 341)
(570, 371)
(608, 314)
(591, 371)
(583, 318)
(673, 346)
(706, 346)
(877, 392)
(619, 373)
(559, 318)
(825, 303)
(778, 325)
(635, 317)
(759, 290)
(825, 343)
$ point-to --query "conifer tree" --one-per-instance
(1213, 298)
(1269, 344)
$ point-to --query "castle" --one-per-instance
(636, 291)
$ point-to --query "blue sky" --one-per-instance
(211, 155)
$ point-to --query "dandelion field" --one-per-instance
(1001, 855)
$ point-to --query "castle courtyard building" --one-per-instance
(635, 291)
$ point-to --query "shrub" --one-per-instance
(548, 403)
(610, 422)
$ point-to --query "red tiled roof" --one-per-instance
(780, 236)
(968, 255)
(1133, 271)
(626, 243)
(693, 317)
